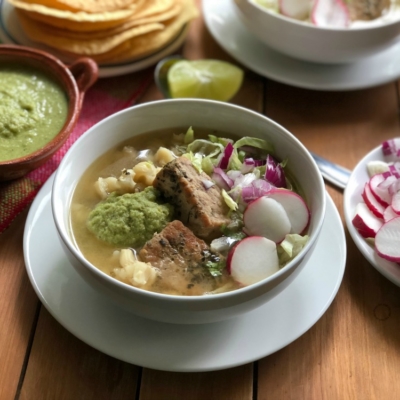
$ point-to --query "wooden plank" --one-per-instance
(62, 367)
(353, 351)
(230, 384)
(342, 126)
(17, 308)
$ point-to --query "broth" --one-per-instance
(103, 255)
(181, 276)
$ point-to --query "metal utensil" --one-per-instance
(333, 173)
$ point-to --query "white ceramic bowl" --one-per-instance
(199, 114)
(312, 43)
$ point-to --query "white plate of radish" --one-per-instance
(372, 208)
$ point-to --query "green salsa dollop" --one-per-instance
(33, 109)
(130, 219)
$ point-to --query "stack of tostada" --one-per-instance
(109, 31)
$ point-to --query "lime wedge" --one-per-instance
(205, 79)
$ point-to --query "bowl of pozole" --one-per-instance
(188, 211)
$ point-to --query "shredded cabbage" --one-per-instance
(205, 148)
(196, 160)
(254, 142)
(229, 201)
(189, 136)
(291, 246)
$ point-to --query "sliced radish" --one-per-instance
(373, 204)
(366, 223)
(389, 214)
(330, 13)
(394, 187)
(297, 9)
(396, 203)
(295, 207)
(379, 187)
(266, 217)
(253, 259)
(387, 240)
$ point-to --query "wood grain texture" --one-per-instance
(62, 367)
(232, 384)
(17, 308)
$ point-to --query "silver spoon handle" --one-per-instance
(337, 175)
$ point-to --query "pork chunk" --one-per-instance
(180, 257)
(203, 210)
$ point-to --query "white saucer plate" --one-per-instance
(12, 33)
(227, 29)
(352, 196)
(184, 348)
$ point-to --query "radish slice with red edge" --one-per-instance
(396, 203)
(387, 240)
(266, 217)
(376, 208)
(297, 9)
(295, 207)
(379, 184)
(389, 214)
(330, 13)
(252, 259)
(366, 223)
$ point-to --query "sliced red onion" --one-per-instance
(394, 169)
(221, 179)
(258, 188)
(224, 162)
(207, 184)
(391, 149)
(234, 174)
(262, 184)
(274, 173)
(384, 185)
(248, 165)
(244, 180)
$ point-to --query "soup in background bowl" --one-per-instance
(108, 149)
(327, 44)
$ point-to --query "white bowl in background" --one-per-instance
(158, 115)
(308, 42)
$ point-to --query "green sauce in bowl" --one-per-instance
(33, 109)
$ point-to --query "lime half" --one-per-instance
(205, 79)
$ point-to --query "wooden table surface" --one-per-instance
(352, 352)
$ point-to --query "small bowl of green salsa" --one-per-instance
(40, 102)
